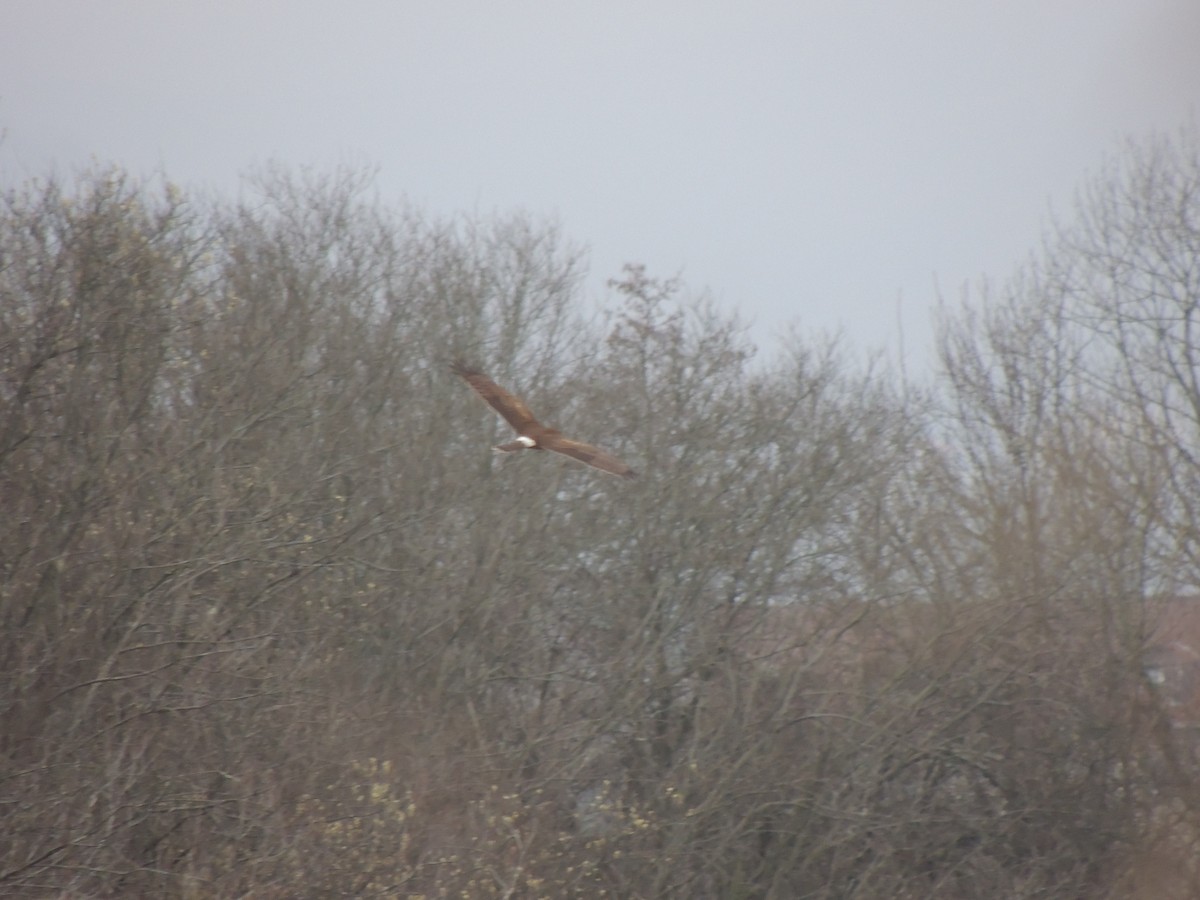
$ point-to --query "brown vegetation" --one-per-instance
(274, 622)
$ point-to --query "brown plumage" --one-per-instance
(532, 434)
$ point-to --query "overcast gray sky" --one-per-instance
(819, 163)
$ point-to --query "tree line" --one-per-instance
(275, 622)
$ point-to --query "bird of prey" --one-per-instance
(532, 434)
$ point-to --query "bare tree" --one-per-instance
(277, 622)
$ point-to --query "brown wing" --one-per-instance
(515, 412)
(585, 453)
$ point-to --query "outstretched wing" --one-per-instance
(586, 453)
(515, 412)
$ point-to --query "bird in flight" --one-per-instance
(532, 434)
